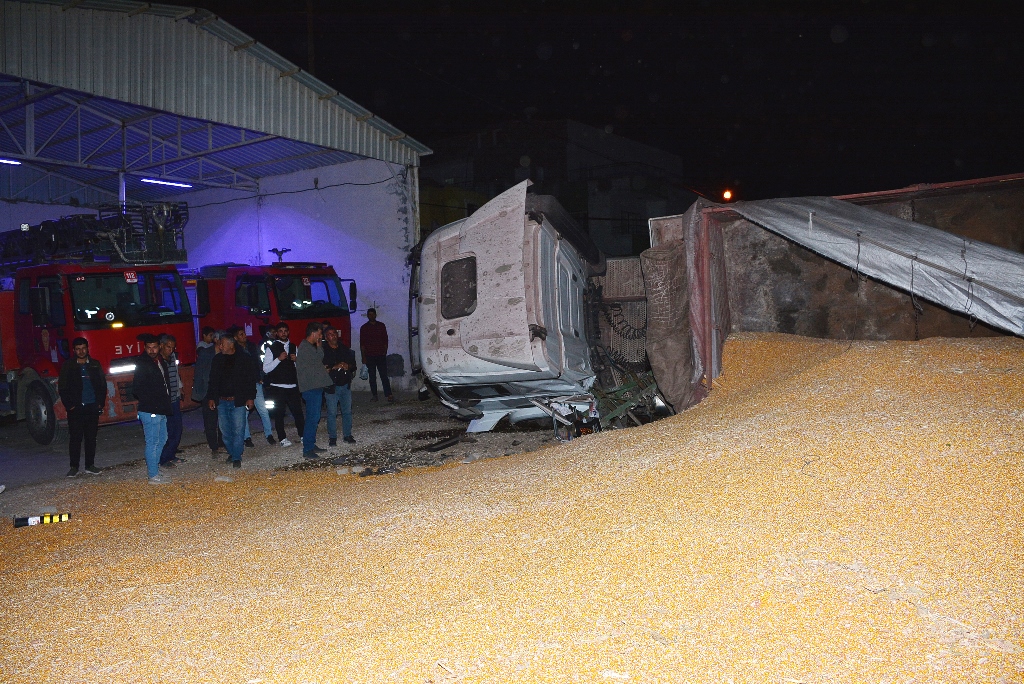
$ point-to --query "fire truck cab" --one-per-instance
(256, 297)
(74, 291)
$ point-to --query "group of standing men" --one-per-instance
(232, 377)
(157, 386)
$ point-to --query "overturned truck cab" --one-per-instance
(498, 316)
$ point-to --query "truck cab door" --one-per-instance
(41, 320)
(252, 304)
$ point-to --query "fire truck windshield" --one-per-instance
(128, 298)
(310, 296)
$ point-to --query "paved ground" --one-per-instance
(23, 461)
(389, 437)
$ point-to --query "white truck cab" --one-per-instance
(500, 303)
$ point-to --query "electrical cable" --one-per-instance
(290, 192)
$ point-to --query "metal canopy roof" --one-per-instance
(93, 88)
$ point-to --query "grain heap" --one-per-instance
(834, 512)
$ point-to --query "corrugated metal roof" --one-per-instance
(191, 63)
(79, 137)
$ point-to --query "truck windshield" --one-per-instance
(311, 296)
(129, 298)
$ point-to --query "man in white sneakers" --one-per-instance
(281, 383)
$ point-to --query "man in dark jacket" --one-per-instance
(340, 362)
(373, 346)
(205, 352)
(233, 391)
(150, 387)
(83, 390)
(250, 348)
(168, 455)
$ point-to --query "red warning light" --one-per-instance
(727, 195)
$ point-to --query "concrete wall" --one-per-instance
(358, 217)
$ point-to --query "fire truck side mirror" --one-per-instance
(352, 296)
(202, 296)
(39, 297)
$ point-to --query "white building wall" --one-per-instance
(358, 217)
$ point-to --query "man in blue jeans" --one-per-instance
(233, 391)
(249, 347)
(150, 387)
(313, 378)
(340, 362)
(169, 454)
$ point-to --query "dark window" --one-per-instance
(24, 300)
(458, 288)
(56, 299)
(164, 293)
(316, 296)
(100, 300)
(261, 298)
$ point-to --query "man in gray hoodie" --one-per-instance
(313, 378)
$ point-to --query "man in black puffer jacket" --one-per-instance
(83, 390)
(232, 390)
(150, 387)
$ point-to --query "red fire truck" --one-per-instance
(108, 278)
(255, 297)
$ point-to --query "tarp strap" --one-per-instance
(938, 267)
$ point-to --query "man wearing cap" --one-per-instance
(83, 390)
(151, 389)
(373, 347)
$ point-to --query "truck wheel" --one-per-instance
(40, 418)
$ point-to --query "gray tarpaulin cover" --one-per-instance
(967, 276)
(669, 339)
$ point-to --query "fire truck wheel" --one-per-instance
(40, 418)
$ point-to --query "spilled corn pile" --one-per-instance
(833, 512)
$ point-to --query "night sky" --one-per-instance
(770, 99)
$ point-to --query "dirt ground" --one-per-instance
(832, 512)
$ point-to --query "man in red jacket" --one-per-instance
(373, 347)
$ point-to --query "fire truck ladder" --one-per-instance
(134, 235)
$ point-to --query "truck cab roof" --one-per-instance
(277, 268)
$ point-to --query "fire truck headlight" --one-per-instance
(128, 368)
(269, 404)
